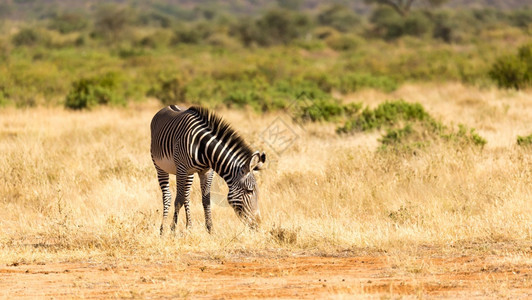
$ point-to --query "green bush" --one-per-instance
(68, 22)
(4, 96)
(417, 24)
(513, 71)
(328, 110)
(465, 135)
(112, 21)
(275, 27)
(343, 42)
(353, 82)
(94, 91)
(170, 91)
(524, 140)
(339, 17)
(27, 37)
(388, 114)
(390, 25)
(396, 136)
(196, 34)
(387, 23)
(408, 126)
(158, 39)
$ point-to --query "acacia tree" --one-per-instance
(403, 6)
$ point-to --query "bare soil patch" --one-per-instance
(271, 277)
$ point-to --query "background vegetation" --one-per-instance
(251, 54)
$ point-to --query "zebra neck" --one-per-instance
(223, 157)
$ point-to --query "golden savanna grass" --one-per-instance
(81, 185)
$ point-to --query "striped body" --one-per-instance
(195, 140)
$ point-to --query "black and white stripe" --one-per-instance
(184, 142)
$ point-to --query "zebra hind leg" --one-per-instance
(183, 198)
(164, 179)
(206, 181)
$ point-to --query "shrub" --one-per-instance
(4, 96)
(388, 114)
(524, 140)
(396, 136)
(465, 136)
(192, 35)
(158, 39)
(328, 110)
(222, 40)
(68, 22)
(408, 126)
(390, 25)
(514, 71)
(353, 82)
(521, 17)
(152, 18)
(242, 98)
(387, 22)
(339, 17)
(343, 42)
(111, 21)
(273, 28)
(416, 24)
(98, 90)
(27, 37)
(170, 91)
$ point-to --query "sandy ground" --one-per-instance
(273, 277)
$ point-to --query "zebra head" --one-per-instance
(244, 192)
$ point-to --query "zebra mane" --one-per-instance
(221, 129)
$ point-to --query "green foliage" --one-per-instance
(353, 82)
(387, 22)
(192, 35)
(344, 42)
(396, 136)
(408, 126)
(444, 27)
(328, 110)
(521, 17)
(390, 25)
(170, 91)
(389, 113)
(339, 17)
(154, 18)
(273, 28)
(514, 71)
(27, 37)
(68, 22)
(111, 21)
(94, 91)
(4, 96)
(344, 52)
(525, 141)
(465, 136)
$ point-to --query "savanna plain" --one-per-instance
(80, 208)
(398, 137)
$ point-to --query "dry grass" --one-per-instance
(81, 185)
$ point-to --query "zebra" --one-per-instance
(196, 140)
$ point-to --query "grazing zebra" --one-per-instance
(184, 142)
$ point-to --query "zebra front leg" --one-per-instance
(206, 180)
(183, 182)
(163, 178)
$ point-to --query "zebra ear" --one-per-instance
(257, 161)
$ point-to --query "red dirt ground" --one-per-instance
(284, 277)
